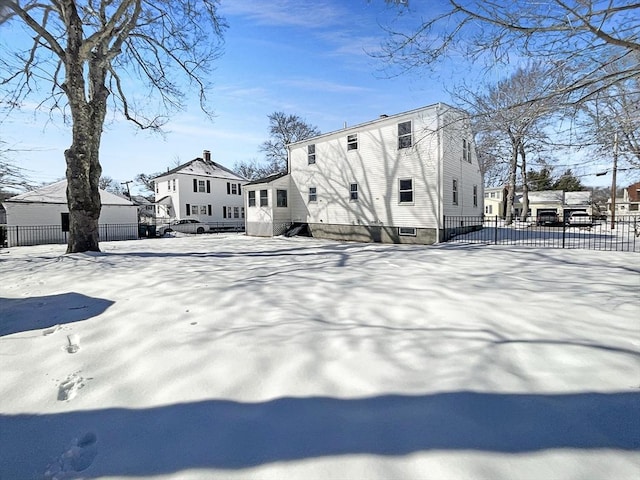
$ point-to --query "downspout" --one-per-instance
(439, 226)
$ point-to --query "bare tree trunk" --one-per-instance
(525, 187)
(511, 186)
(82, 157)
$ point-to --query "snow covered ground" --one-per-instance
(225, 356)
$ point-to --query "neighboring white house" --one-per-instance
(556, 201)
(629, 204)
(42, 216)
(200, 189)
(393, 179)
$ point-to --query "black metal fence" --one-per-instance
(18, 236)
(589, 233)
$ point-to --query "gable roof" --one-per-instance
(208, 168)
(381, 118)
(57, 193)
(577, 198)
(268, 179)
(542, 196)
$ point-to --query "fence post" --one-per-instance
(564, 230)
(495, 231)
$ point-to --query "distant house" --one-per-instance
(629, 204)
(548, 201)
(200, 189)
(393, 179)
(146, 209)
(495, 202)
(42, 216)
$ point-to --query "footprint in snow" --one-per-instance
(73, 343)
(51, 330)
(68, 389)
(77, 457)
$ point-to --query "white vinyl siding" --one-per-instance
(376, 169)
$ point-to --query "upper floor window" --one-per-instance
(264, 198)
(313, 196)
(157, 187)
(475, 195)
(252, 198)
(281, 198)
(405, 139)
(311, 154)
(455, 191)
(201, 186)
(406, 190)
(173, 184)
(352, 142)
(466, 150)
(353, 192)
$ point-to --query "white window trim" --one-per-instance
(407, 231)
(413, 192)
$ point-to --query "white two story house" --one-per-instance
(393, 180)
(200, 189)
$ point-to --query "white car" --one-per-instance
(580, 219)
(183, 226)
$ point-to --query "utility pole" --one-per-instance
(127, 184)
(613, 181)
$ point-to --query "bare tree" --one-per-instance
(11, 176)
(611, 112)
(146, 181)
(510, 117)
(251, 169)
(580, 37)
(87, 55)
(283, 130)
(109, 184)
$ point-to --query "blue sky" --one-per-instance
(305, 58)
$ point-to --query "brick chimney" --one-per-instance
(206, 155)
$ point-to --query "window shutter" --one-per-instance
(209, 187)
(195, 184)
(239, 187)
(188, 209)
(224, 212)
(209, 210)
(228, 188)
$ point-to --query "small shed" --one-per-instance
(41, 216)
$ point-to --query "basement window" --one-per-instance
(407, 231)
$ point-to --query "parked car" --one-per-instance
(183, 226)
(547, 218)
(579, 219)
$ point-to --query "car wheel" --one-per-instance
(200, 230)
(167, 230)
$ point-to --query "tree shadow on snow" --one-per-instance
(35, 313)
(225, 434)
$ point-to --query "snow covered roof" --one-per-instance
(207, 168)
(546, 196)
(57, 193)
(268, 179)
(577, 198)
